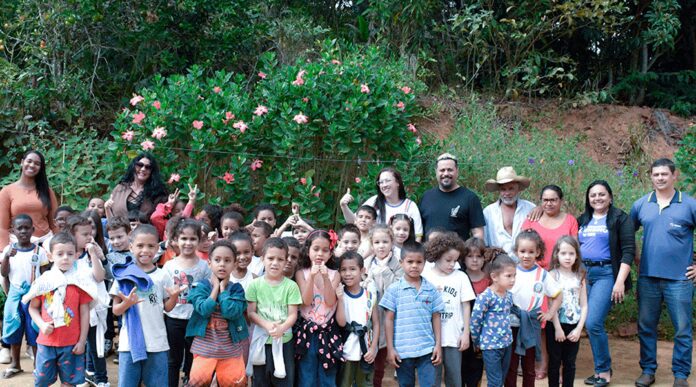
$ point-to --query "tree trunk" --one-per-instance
(643, 70)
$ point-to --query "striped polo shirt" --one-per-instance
(413, 312)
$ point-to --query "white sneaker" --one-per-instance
(107, 384)
(5, 357)
(29, 353)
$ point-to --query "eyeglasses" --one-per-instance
(142, 165)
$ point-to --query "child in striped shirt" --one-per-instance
(217, 324)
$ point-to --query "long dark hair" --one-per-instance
(588, 208)
(305, 262)
(381, 200)
(154, 187)
(41, 182)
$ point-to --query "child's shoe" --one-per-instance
(5, 357)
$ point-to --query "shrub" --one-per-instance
(298, 133)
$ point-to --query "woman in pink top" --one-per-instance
(554, 223)
(29, 195)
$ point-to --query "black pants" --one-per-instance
(98, 363)
(263, 374)
(472, 367)
(563, 353)
(179, 349)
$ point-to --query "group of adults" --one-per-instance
(606, 235)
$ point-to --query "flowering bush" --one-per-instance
(300, 133)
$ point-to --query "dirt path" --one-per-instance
(624, 354)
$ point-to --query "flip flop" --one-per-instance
(11, 372)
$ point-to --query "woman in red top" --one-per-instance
(30, 195)
(554, 222)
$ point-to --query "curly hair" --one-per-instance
(438, 246)
(531, 235)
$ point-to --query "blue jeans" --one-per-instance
(497, 362)
(309, 370)
(677, 295)
(600, 282)
(152, 371)
(406, 373)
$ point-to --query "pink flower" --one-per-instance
(261, 110)
(316, 194)
(406, 89)
(198, 124)
(303, 181)
(411, 128)
(256, 164)
(418, 140)
(138, 117)
(262, 75)
(228, 178)
(136, 98)
(228, 117)
(335, 61)
(217, 89)
(240, 125)
(299, 81)
(174, 178)
(312, 189)
(128, 135)
(400, 105)
(357, 180)
(364, 89)
(300, 118)
(157, 105)
(147, 145)
(305, 99)
(159, 132)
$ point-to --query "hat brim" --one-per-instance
(494, 185)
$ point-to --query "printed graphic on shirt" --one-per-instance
(454, 212)
(69, 313)
(180, 278)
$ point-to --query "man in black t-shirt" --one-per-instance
(451, 206)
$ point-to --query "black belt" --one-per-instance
(589, 263)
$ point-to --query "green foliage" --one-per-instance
(685, 158)
(674, 91)
(246, 141)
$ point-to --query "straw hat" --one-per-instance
(506, 175)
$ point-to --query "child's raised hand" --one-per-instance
(193, 192)
(314, 270)
(347, 198)
(393, 358)
(109, 203)
(171, 200)
(175, 290)
(223, 284)
(340, 291)
(464, 342)
(323, 270)
(47, 328)
(12, 253)
(295, 208)
(214, 281)
(132, 297)
(212, 236)
(436, 358)
(574, 335)
(79, 348)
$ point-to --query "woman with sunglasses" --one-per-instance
(141, 188)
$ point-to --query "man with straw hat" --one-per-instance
(505, 216)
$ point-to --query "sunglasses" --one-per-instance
(141, 165)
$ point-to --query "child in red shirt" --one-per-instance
(62, 315)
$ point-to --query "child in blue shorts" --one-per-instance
(22, 263)
(412, 321)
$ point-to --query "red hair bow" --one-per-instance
(333, 239)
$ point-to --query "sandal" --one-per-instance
(11, 372)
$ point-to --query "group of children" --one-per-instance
(219, 301)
